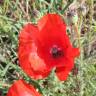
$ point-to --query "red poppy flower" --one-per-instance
(45, 46)
(21, 88)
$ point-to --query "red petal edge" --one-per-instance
(21, 88)
(62, 73)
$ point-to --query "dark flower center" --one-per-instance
(56, 52)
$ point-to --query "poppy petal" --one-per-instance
(50, 20)
(72, 52)
(28, 57)
(21, 88)
(76, 52)
(62, 73)
(52, 33)
(28, 34)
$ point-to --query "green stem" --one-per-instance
(36, 84)
(68, 4)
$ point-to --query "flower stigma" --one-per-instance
(56, 52)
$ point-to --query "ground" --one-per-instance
(81, 25)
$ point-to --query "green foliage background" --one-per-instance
(15, 13)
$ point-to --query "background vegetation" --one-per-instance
(15, 13)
